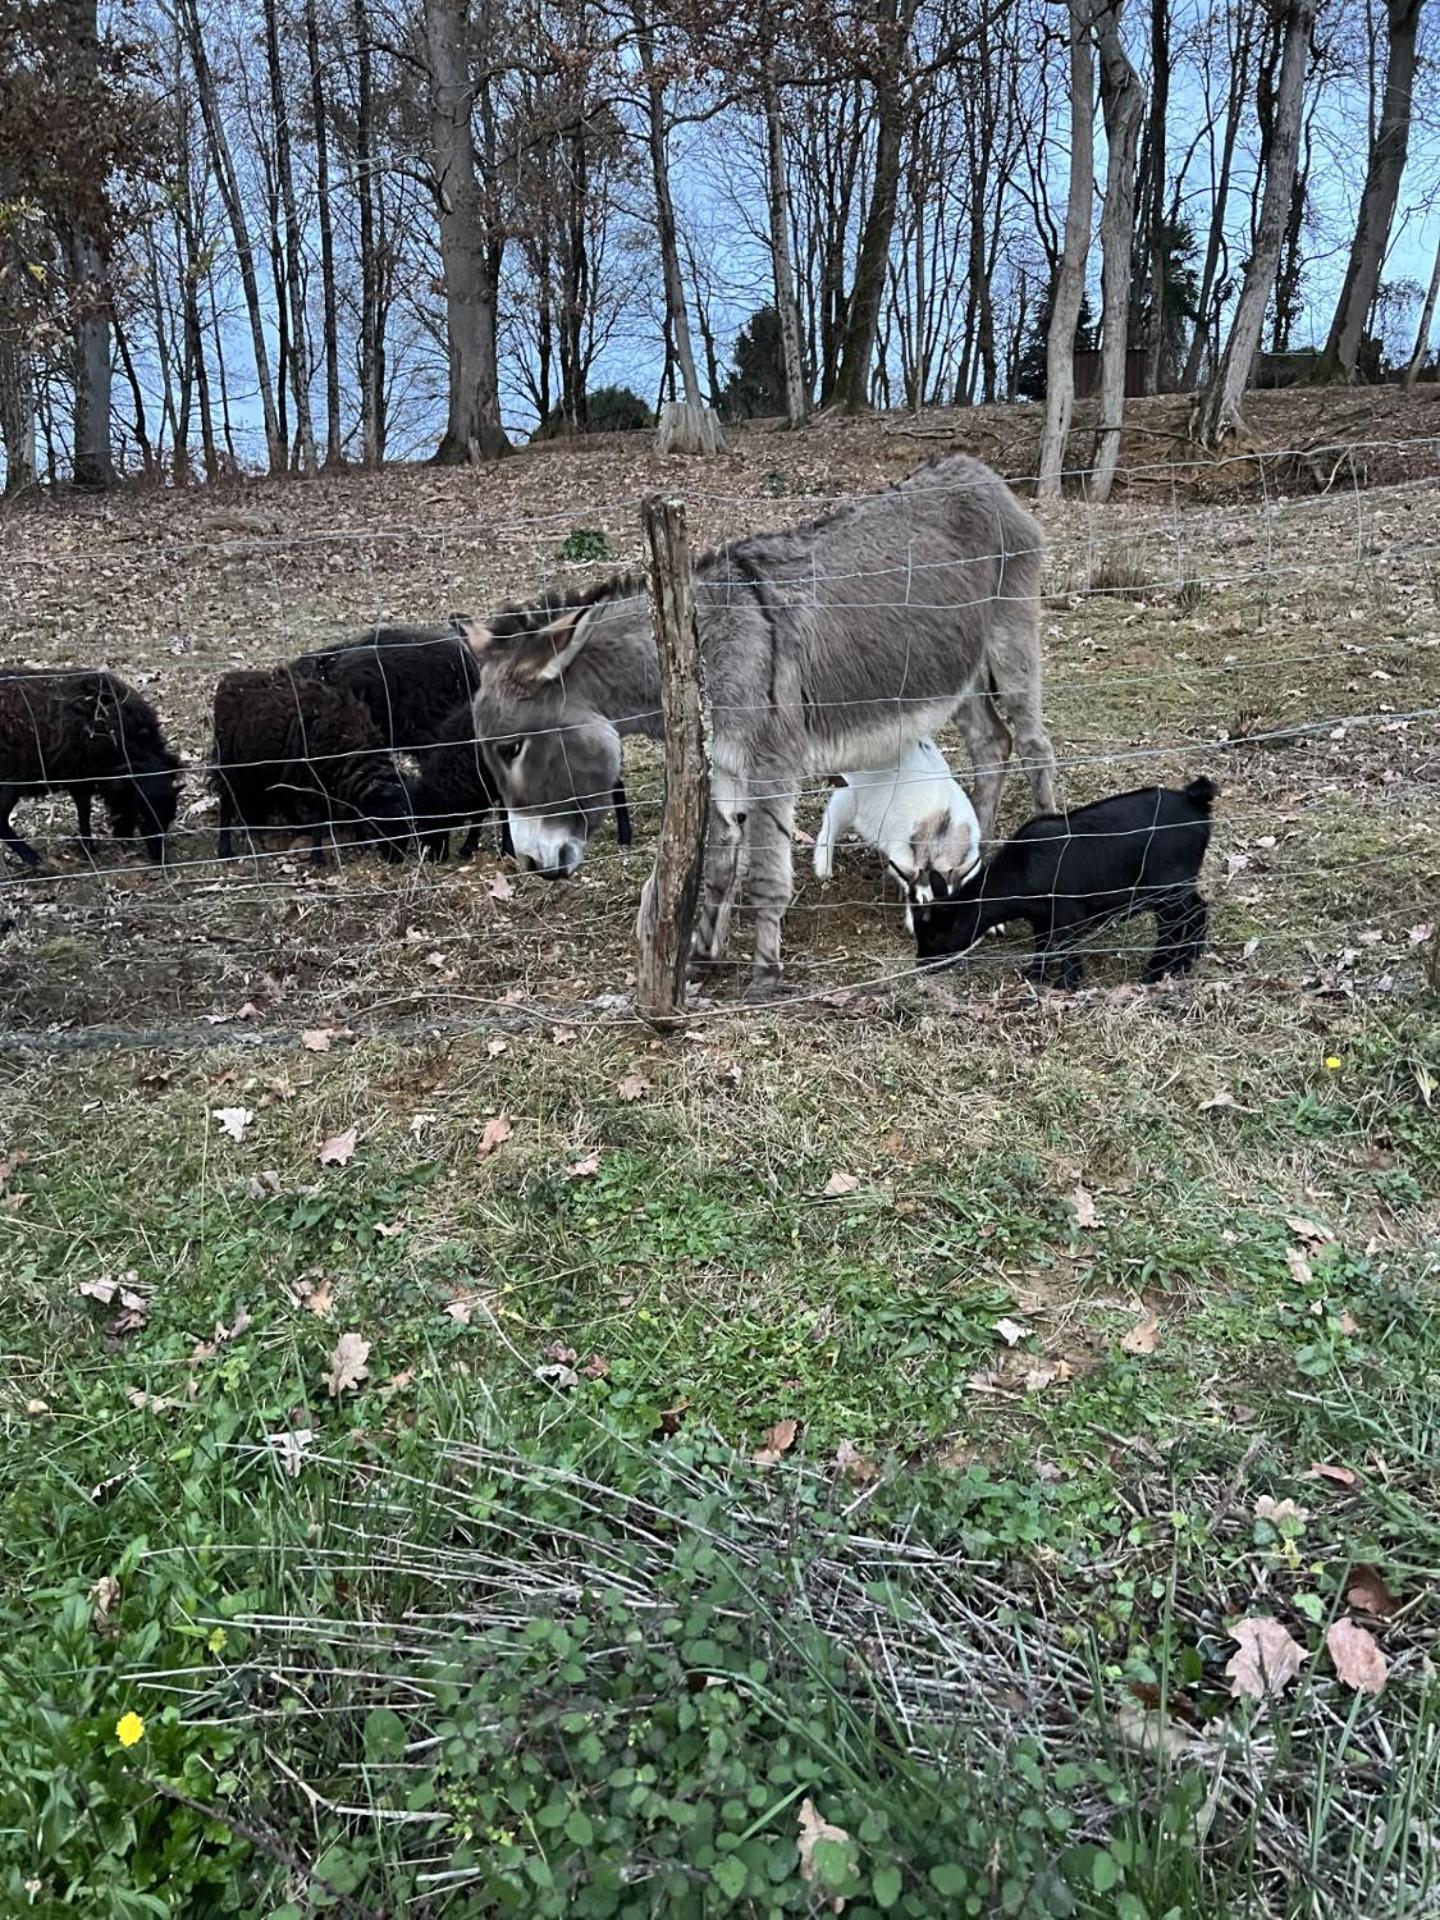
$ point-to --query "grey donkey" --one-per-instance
(826, 646)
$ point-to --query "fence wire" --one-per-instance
(1136, 609)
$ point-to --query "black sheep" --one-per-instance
(455, 789)
(409, 679)
(297, 751)
(1067, 873)
(83, 731)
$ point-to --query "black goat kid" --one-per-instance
(1068, 873)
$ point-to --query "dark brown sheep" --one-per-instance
(82, 731)
(294, 751)
(410, 679)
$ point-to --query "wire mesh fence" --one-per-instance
(1286, 643)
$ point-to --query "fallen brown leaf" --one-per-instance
(1267, 1662)
(1298, 1261)
(595, 1368)
(812, 1831)
(633, 1087)
(316, 1039)
(233, 1120)
(103, 1595)
(1347, 1323)
(1275, 1511)
(460, 1311)
(496, 1047)
(1049, 1373)
(839, 1183)
(501, 887)
(1322, 1470)
(1083, 1202)
(1143, 1337)
(339, 1149)
(242, 1321)
(319, 1298)
(778, 1441)
(853, 1464)
(497, 1131)
(1304, 1229)
(1368, 1593)
(564, 1036)
(347, 1364)
(1012, 1331)
(1358, 1660)
(583, 1169)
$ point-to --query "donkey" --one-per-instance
(830, 645)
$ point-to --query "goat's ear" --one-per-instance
(568, 635)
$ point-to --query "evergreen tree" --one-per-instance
(756, 385)
(1030, 368)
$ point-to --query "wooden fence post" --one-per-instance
(667, 906)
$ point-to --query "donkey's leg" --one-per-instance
(724, 836)
(988, 742)
(1016, 678)
(770, 873)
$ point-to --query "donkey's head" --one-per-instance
(553, 754)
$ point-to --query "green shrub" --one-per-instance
(585, 544)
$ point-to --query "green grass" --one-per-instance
(530, 1630)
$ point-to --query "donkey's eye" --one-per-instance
(510, 750)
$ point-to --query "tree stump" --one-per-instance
(688, 427)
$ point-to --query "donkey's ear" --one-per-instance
(569, 634)
(476, 635)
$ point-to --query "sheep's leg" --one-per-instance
(1055, 964)
(622, 814)
(84, 822)
(988, 741)
(8, 836)
(1179, 936)
(225, 845)
(722, 870)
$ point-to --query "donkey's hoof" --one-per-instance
(762, 987)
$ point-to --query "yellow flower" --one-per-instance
(1332, 1063)
(129, 1729)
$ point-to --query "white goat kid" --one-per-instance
(915, 815)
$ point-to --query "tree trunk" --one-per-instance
(17, 416)
(1123, 100)
(797, 399)
(852, 382)
(1070, 280)
(294, 285)
(224, 168)
(1422, 335)
(1239, 86)
(691, 427)
(371, 376)
(142, 429)
(1217, 412)
(1388, 151)
(92, 463)
(334, 444)
(473, 429)
(1155, 369)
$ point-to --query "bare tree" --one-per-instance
(469, 247)
(294, 295)
(1389, 149)
(1217, 412)
(17, 413)
(1157, 221)
(689, 426)
(334, 447)
(1422, 333)
(797, 398)
(224, 167)
(1123, 100)
(1214, 284)
(1070, 277)
(891, 78)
